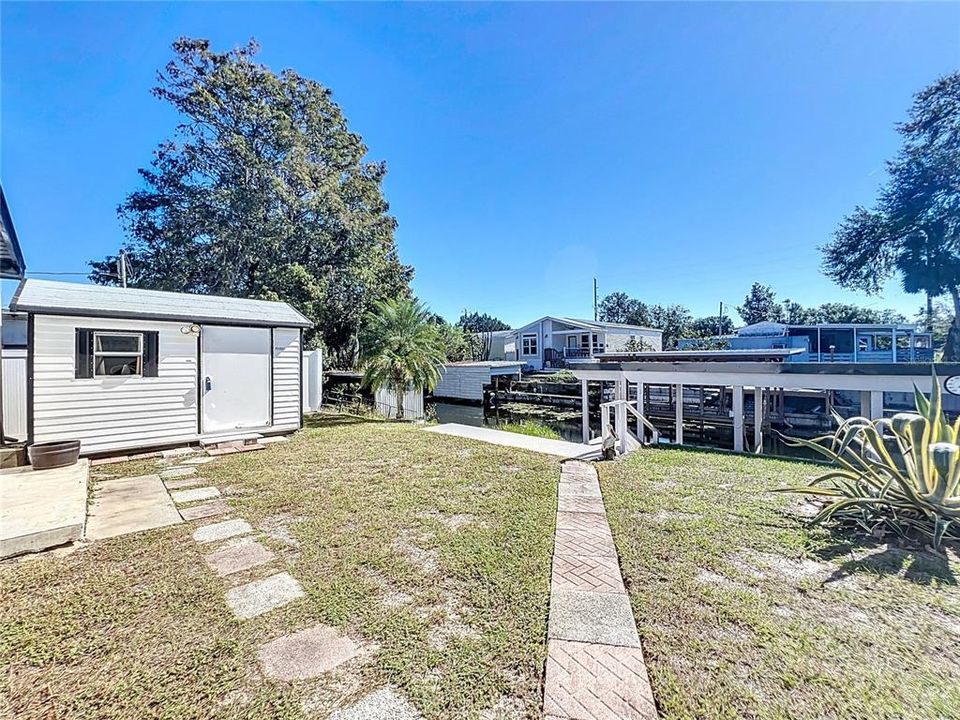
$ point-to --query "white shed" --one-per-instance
(122, 369)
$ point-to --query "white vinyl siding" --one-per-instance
(286, 378)
(113, 413)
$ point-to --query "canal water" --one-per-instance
(567, 424)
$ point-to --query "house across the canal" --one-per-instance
(832, 342)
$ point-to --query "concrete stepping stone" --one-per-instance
(582, 521)
(592, 617)
(201, 460)
(235, 558)
(273, 439)
(221, 530)
(195, 494)
(585, 543)
(177, 472)
(383, 704)
(185, 483)
(306, 654)
(205, 510)
(599, 682)
(260, 596)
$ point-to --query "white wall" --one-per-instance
(15, 393)
(385, 403)
(119, 412)
(286, 378)
(462, 381)
(312, 380)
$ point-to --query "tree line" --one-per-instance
(263, 191)
(759, 305)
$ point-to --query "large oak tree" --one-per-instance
(913, 232)
(263, 191)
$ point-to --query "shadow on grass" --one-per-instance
(917, 566)
(335, 419)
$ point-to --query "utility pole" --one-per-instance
(596, 314)
(720, 320)
(122, 262)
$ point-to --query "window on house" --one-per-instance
(529, 345)
(109, 353)
(117, 354)
(598, 343)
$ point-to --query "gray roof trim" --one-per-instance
(46, 297)
(12, 264)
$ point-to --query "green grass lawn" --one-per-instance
(746, 613)
(432, 550)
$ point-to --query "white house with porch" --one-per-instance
(555, 342)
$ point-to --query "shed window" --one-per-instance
(529, 345)
(117, 354)
(108, 353)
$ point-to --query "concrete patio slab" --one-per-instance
(592, 617)
(558, 448)
(186, 496)
(383, 704)
(239, 557)
(40, 509)
(597, 682)
(205, 510)
(260, 596)
(129, 505)
(306, 654)
(177, 472)
(221, 530)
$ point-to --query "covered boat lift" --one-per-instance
(742, 372)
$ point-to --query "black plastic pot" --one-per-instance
(45, 456)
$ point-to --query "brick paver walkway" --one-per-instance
(600, 675)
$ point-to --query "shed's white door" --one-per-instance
(236, 378)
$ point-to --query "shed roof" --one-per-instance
(63, 298)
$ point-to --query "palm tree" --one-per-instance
(401, 348)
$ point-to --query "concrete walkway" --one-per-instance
(595, 667)
(40, 509)
(559, 448)
(129, 505)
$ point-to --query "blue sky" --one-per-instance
(677, 152)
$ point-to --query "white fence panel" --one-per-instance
(385, 403)
(312, 380)
(15, 393)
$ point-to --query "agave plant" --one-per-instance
(900, 473)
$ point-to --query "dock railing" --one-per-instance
(624, 440)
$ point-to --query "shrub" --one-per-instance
(900, 474)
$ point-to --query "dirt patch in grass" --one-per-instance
(138, 626)
(745, 612)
